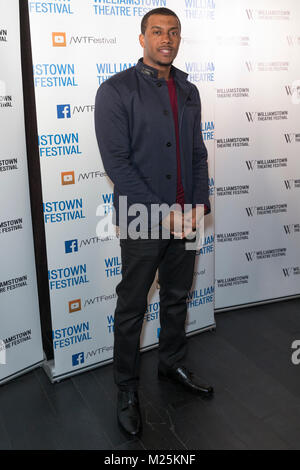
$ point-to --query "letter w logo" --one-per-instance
(251, 116)
(288, 90)
(250, 211)
(250, 255)
(249, 66)
(287, 271)
(288, 138)
(288, 229)
(251, 164)
(249, 14)
(288, 184)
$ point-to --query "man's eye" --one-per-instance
(156, 32)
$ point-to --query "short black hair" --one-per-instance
(157, 11)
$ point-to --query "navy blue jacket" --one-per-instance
(136, 137)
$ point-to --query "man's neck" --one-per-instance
(163, 71)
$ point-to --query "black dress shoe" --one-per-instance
(129, 415)
(184, 377)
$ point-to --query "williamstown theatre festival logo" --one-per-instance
(291, 229)
(11, 284)
(291, 138)
(275, 15)
(232, 142)
(11, 225)
(265, 254)
(291, 271)
(255, 116)
(233, 93)
(126, 8)
(68, 276)
(293, 91)
(65, 337)
(292, 184)
(59, 145)
(232, 236)
(273, 66)
(54, 75)
(266, 164)
(9, 164)
(266, 210)
(63, 211)
(233, 281)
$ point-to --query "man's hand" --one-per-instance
(182, 225)
(192, 220)
(173, 223)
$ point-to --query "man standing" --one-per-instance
(147, 121)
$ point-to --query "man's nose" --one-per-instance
(166, 38)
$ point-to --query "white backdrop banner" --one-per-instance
(257, 178)
(76, 45)
(20, 331)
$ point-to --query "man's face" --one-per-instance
(161, 40)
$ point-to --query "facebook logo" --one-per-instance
(77, 359)
(71, 246)
(63, 111)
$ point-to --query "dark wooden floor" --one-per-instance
(247, 359)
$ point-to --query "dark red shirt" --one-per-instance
(174, 106)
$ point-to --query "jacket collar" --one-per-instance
(151, 72)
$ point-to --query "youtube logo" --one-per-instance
(59, 39)
(67, 177)
(74, 305)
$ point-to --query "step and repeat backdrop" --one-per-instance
(76, 46)
(257, 151)
(20, 331)
(243, 57)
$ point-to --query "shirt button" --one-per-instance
(159, 84)
(168, 177)
(166, 112)
(169, 144)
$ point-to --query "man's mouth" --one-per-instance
(165, 50)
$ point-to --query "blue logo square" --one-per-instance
(77, 359)
(71, 246)
(63, 111)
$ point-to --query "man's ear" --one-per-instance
(142, 40)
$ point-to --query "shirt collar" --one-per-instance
(151, 72)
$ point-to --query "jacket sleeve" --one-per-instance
(200, 166)
(113, 136)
